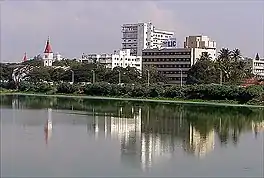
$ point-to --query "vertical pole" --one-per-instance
(148, 77)
(119, 77)
(72, 76)
(221, 77)
(93, 76)
(181, 77)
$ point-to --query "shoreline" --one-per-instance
(133, 99)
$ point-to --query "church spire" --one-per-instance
(48, 47)
(25, 57)
(257, 57)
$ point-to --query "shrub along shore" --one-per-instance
(252, 95)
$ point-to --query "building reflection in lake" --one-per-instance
(257, 127)
(48, 126)
(150, 140)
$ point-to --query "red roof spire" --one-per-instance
(25, 57)
(48, 47)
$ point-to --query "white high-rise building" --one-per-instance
(139, 36)
(201, 42)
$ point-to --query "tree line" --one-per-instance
(229, 68)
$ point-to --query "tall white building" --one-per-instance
(139, 36)
(201, 42)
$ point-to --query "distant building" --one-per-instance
(48, 54)
(25, 57)
(256, 66)
(89, 58)
(57, 57)
(139, 36)
(174, 63)
(202, 42)
(120, 58)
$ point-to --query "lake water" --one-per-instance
(121, 139)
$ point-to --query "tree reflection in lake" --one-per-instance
(152, 131)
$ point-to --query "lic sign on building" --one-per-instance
(170, 43)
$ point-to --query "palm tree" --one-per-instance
(205, 56)
(224, 54)
(223, 61)
(236, 55)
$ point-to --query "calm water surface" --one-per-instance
(117, 138)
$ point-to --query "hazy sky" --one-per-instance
(95, 26)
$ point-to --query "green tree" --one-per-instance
(236, 55)
(204, 71)
(155, 76)
(38, 74)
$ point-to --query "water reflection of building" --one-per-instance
(257, 127)
(48, 126)
(198, 144)
(148, 140)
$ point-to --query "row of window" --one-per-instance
(128, 59)
(174, 66)
(130, 45)
(177, 78)
(174, 72)
(258, 64)
(126, 64)
(165, 53)
(167, 60)
(129, 40)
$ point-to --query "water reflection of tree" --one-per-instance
(228, 122)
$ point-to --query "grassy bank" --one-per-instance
(154, 99)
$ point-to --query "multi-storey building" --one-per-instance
(106, 60)
(137, 37)
(89, 58)
(256, 66)
(120, 58)
(174, 63)
(202, 42)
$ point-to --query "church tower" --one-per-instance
(48, 54)
(25, 57)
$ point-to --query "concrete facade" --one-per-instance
(120, 58)
(171, 62)
(256, 66)
(139, 36)
(202, 42)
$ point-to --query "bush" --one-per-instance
(27, 86)
(67, 88)
(252, 94)
(43, 87)
(98, 89)
(139, 91)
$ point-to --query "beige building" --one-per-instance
(202, 42)
(174, 63)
